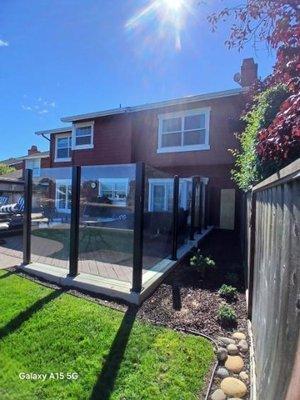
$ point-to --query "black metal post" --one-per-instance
(27, 217)
(192, 227)
(175, 217)
(137, 273)
(75, 216)
(200, 207)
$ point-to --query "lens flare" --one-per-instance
(163, 19)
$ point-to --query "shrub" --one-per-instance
(227, 291)
(227, 315)
(202, 263)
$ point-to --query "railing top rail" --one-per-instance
(286, 174)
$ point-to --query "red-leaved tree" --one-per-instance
(276, 22)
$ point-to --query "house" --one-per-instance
(187, 136)
(34, 159)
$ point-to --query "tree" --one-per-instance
(6, 169)
(275, 22)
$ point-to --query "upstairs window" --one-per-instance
(63, 146)
(34, 164)
(83, 135)
(184, 131)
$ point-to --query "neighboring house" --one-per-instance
(187, 136)
(34, 160)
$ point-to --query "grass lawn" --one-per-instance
(115, 355)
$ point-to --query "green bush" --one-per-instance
(227, 315)
(202, 263)
(248, 167)
(227, 291)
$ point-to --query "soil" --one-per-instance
(185, 301)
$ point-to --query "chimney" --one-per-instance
(32, 150)
(248, 73)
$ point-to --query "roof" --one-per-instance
(167, 103)
(56, 130)
(12, 161)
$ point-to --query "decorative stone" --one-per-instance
(243, 346)
(222, 354)
(225, 341)
(218, 395)
(232, 349)
(233, 387)
(239, 336)
(244, 376)
(234, 364)
(222, 372)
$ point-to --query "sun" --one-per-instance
(174, 5)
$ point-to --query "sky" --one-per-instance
(66, 57)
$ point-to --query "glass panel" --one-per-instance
(171, 139)
(11, 223)
(194, 121)
(157, 218)
(83, 140)
(171, 125)
(63, 153)
(84, 131)
(185, 196)
(50, 226)
(194, 137)
(107, 220)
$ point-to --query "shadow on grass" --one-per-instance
(17, 322)
(7, 274)
(106, 380)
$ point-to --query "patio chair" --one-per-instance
(3, 200)
(11, 209)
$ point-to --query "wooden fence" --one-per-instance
(272, 249)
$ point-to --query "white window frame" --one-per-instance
(120, 203)
(66, 182)
(83, 125)
(181, 114)
(36, 170)
(57, 159)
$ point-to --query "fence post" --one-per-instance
(27, 217)
(192, 228)
(251, 254)
(137, 272)
(175, 217)
(75, 216)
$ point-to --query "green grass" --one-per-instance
(115, 355)
(90, 239)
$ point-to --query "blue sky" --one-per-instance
(64, 57)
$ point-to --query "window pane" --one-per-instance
(63, 153)
(194, 137)
(194, 122)
(84, 131)
(62, 142)
(171, 125)
(158, 197)
(171, 139)
(83, 140)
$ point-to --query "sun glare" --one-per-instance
(163, 18)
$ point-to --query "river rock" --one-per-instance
(234, 364)
(225, 341)
(232, 349)
(239, 335)
(233, 387)
(222, 372)
(244, 376)
(222, 354)
(243, 346)
(218, 395)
